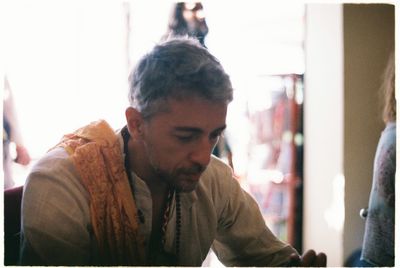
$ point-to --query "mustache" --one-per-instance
(193, 170)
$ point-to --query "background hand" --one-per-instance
(309, 259)
(23, 157)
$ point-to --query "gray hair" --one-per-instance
(177, 68)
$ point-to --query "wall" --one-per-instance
(346, 51)
(368, 32)
(323, 131)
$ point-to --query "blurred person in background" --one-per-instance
(378, 244)
(187, 19)
(11, 135)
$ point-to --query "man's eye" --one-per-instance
(185, 138)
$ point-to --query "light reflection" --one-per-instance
(190, 5)
(334, 216)
(299, 93)
(200, 14)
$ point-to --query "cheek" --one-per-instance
(175, 156)
(167, 154)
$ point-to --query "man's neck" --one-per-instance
(159, 191)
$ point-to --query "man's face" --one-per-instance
(194, 16)
(179, 142)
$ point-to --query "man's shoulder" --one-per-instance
(54, 159)
(217, 174)
(218, 167)
(54, 169)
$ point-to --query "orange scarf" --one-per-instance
(97, 156)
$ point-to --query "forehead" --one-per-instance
(192, 112)
(193, 6)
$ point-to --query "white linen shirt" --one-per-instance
(56, 227)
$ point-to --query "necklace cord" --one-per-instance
(126, 136)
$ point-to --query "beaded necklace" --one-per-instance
(173, 259)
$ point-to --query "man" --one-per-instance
(187, 19)
(151, 193)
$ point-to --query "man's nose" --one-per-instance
(202, 152)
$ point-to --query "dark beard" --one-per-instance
(174, 179)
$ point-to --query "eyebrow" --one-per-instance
(197, 130)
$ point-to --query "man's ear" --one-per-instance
(134, 122)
